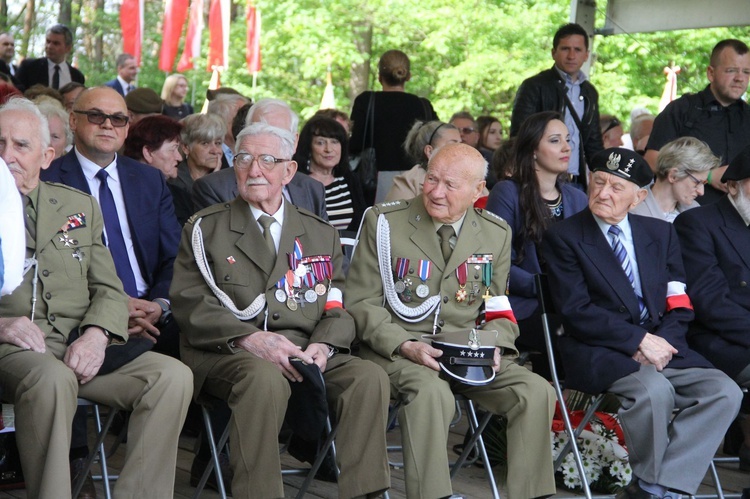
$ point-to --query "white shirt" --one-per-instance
(12, 232)
(275, 227)
(626, 238)
(125, 85)
(65, 77)
(90, 169)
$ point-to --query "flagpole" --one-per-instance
(255, 83)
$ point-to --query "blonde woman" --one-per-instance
(173, 94)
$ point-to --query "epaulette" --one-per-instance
(391, 206)
(488, 215)
(214, 208)
(310, 214)
(67, 188)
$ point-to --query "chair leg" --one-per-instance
(98, 450)
(328, 445)
(214, 463)
(476, 428)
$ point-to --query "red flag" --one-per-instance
(131, 27)
(252, 50)
(193, 38)
(175, 14)
(218, 27)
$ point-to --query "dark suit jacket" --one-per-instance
(221, 186)
(545, 92)
(33, 71)
(503, 202)
(716, 251)
(116, 85)
(150, 212)
(597, 303)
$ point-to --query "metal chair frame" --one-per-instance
(101, 433)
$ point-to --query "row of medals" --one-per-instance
(296, 296)
(403, 288)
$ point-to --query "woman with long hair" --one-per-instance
(173, 93)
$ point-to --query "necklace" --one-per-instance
(555, 206)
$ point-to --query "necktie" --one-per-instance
(266, 222)
(129, 89)
(115, 240)
(446, 232)
(622, 256)
(29, 218)
(56, 77)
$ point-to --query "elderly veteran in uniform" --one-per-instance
(715, 240)
(257, 282)
(445, 267)
(618, 282)
(41, 370)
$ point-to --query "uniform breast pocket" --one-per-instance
(74, 252)
(234, 280)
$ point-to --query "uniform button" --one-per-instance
(48, 295)
(411, 271)
(743, 284)
(275, 316)
(445, 299)
(226, 277)
(52, 317)
(441, 323)
(623, 309)
(45, 273)
(661, 314)
(218, 348)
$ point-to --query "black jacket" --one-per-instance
(33, 71)
(545, 92)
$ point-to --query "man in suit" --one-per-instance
(71, 285)
(618, 283)
(53, 70)
(270, 302)
(463, 281)
(301, 191)
(565, 88)
(127, 71)
(715, 241)
(8, 52)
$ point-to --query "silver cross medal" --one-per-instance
(78, 255)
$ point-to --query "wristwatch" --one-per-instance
(166, 309)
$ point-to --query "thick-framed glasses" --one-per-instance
(98, 118)
(698, 182)
(244, 160)
(467, 130)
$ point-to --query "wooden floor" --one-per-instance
(470, 482)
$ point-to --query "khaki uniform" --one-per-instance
(428, 405)
(78, 287)
(243, 268)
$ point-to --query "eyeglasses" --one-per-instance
(467, 130)
(615, 122)
(244, 160)
(697, 181)
(98, 118)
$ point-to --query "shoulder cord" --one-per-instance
(200, 259)
(408, 314)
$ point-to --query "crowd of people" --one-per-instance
(152, 256)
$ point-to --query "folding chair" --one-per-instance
(101, 432)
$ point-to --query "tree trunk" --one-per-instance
(66, 12)
(99, 40)
(3, 15)
(360, 71)
(28, 25)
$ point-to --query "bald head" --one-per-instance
(96, 141)
(454, 181)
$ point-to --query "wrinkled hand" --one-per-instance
(276, 349)
(319, 354)
(716, 175)
(142, 315)
(421, 353)
(656, 350)
(496, 360)
(85, 355)
(20, 331)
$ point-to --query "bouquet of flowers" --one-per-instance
(602, 446)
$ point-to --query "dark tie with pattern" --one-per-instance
(446, 232)
(29, 219)
(622, 256)
(266, 222)
(115, 240)
(56, 77)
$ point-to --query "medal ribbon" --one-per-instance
(487, 274)
(425, 267)
(309, 280)
(296, 256)
(282, 283)
(289, 283)
(461, 273)
(402, 266)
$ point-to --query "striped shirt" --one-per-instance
(339, 203)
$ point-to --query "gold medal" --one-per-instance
(320, 289)
(461, 294)
(291, 304)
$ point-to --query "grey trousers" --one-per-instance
(675, 450)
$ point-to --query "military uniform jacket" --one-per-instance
(413, 236)
(243, 268)
(78, 285)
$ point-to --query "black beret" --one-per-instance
(739, 167)
(624, 163)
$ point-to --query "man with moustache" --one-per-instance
(258, 283)
(618, 283)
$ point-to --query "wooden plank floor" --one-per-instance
(470, 482)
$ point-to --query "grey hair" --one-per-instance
(264, 106)
(202, 128)
(51, 107)
(419, 136)
(686, 154)
(637, 124)
(61, 29)
(25, 105)
(225, 104)
(260, 128)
